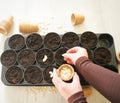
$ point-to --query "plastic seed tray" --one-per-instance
(27, 60)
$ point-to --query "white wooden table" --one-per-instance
(101, 16)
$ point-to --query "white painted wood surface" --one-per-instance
(101, 16)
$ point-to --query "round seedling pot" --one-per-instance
(26, 57)
(88, 40)
(45, 57)
(102, 56)
(70, 39)
(59, 59)
(34, 41)
(105, 40)
(8, 58)
(16, 42)
(52, 41)
(33, 75)
(14, 75)
(46, 73)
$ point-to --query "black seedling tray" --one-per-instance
(103, 41)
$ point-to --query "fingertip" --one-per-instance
(50, 72)
(54, 69)
(63, 54)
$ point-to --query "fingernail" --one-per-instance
(51, 76)
(63, 55)
(50, 72)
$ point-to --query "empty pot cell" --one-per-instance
(33, 75)
(111, 67)
(45, 57)
(102, 56)
(52, 41)
(26, 57)
(16, 42)
(47, 74)
(58, 56)
(8, 58)
(34, 41)
(105, 40)
(14, 75)
(70, 39)
(88, 40)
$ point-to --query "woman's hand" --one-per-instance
(73, 54)
(66, 89)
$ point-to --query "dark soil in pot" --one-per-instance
(34, 41)
(8, 58)
(26, 57)
(44, 57)
(102, 56)
(16, 42)
(14, 75)
(47, 74)
(58, 56)
(52, 41)
(70, 39)
(88, 40)
(33, 75)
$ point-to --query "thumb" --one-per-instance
(56, 79)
